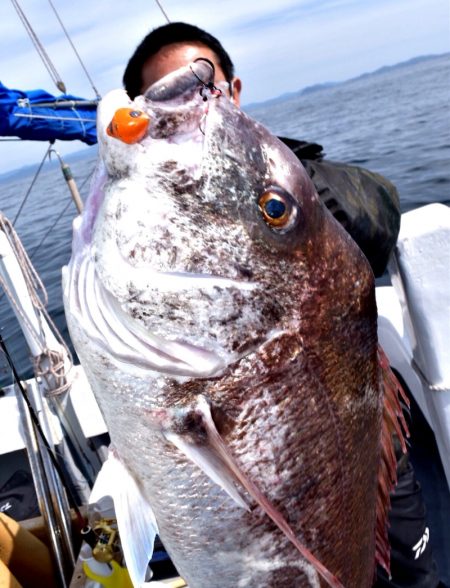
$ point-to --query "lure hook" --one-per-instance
(206, 85)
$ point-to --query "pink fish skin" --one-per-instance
(211, 273)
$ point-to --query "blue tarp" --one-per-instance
(37, 115)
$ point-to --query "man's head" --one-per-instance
(171, 46)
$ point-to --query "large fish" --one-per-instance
(227, 325)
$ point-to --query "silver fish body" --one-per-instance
(186, 287)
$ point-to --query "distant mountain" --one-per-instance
(325, 85)
(288, 95)
(317, 87)
(82, 154)
(407, 63)
(26, 170)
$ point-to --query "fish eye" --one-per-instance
(278, 209)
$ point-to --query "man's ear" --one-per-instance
(236, 91)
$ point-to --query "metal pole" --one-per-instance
(84, 458)
(67, 173)
(41, 487)
(59, 499)
(39, 338)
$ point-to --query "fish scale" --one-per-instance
(232, 347)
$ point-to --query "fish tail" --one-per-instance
(394, 423)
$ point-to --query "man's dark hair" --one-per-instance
(174, 32)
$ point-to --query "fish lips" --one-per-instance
(181, 85)
(174, 107)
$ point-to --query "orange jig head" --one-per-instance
(128, 125)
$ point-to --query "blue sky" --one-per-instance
(277, 46)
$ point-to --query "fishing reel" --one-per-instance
(103, 537)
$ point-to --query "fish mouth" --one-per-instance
(127, 342)
(176, 281)
(185, 81)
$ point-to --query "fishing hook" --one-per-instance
(206, 85)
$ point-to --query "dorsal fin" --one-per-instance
(393, 424)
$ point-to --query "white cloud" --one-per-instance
(277, 46)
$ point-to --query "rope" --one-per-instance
(51, 117)
(39, 48)
(50, 365)
(32, 279)
(436, 387)
(32, 184)
(54, 372)
(74, 49)
(37, 424)
(51, 368)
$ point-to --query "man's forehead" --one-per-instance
(171, 57)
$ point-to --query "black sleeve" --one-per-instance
(365, 203)
(412, 563)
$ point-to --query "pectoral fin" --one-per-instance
(211, 463)
(193, 431)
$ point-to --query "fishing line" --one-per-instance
(37, 424)
(162, 10)
(58, 218)
(91, 81)
(50, 229)
(39, 48)
(32, 183)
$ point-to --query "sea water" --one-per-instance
(395, 122)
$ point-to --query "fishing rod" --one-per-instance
(72, 500)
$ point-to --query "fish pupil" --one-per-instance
(275, 208)
(135, 113)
